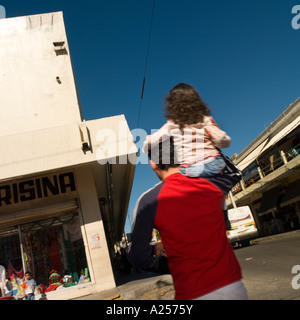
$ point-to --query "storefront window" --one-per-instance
(53, 251)
(54, 245)
(10, 252)
(278, 220)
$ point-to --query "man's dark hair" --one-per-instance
(164, 154)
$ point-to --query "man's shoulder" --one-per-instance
(146, 205)
(151, 194)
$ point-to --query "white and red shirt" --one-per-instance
(189, 217)
(195, 143)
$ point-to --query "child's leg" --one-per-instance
(193, 171)
(213, 167)
(202, 170)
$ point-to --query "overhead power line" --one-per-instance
(144, 79)
(146, 63)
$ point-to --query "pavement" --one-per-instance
(138, 286)
(289, 234)
(153, 286)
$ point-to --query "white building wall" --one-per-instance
(42, 130)
(40, 111)
(51, 148)
(32, 97)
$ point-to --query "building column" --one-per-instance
(260, 173)
(283, 157)
(243, 184)
(257, 220)
(93, 230)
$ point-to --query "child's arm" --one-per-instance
(157, 137)
(218, 137)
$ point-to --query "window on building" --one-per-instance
(52, 246)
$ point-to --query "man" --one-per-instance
(189, 216)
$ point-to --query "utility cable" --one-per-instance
(144, 78)
(146, 62)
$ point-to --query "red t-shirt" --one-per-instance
(188, 214)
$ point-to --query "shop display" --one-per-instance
(53, 251)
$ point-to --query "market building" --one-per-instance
(65, 182)
(271, 175)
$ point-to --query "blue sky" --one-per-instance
(242, 56)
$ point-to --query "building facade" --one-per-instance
(271, 175)
(65, 182)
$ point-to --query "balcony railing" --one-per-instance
(293, 153)
(277, 163)
(264, 171)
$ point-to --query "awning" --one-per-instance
(252, 156)
(292, 194)
(38, 213)
(268, 143)
(269, 200)
(285, 131)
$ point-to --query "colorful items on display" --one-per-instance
(55, 281)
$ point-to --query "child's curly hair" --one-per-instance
(184, 106)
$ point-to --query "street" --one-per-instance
(267, 267)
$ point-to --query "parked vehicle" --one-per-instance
(243, 228)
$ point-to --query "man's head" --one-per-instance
(163, 158)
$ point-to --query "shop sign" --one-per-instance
(37, 188)
(250, 172)
(95, 241)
